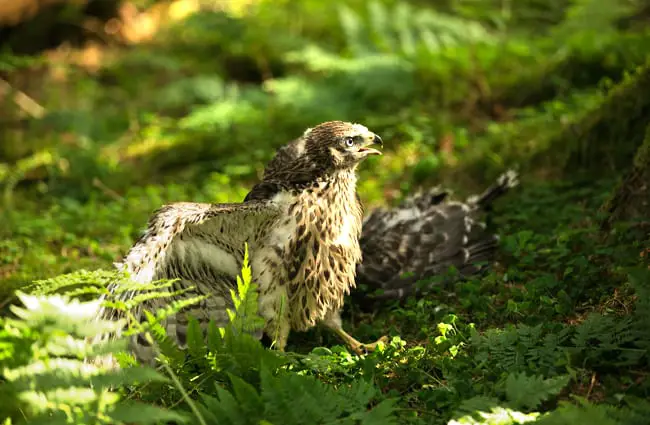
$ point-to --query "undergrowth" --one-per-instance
(540, 339)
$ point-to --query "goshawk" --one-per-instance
(302, 224)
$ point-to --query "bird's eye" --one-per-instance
(349, 142)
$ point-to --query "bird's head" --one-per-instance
(340, 145)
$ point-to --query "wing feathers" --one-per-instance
(202, 245)
(179, 235)
(424, 236)
(505, 182)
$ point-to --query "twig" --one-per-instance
(107, 190)
(186, 396)
(24, 102)
(591, 385)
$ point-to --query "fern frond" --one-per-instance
(640, 281)
(528, 392)
(245, 318)
(77, 283)
(293, 399)
(46, 379)
(593, 15)
(407, 31)
(496, 416)
(196, 344)
(166, 347)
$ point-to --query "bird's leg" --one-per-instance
(278, 331)
(333, 322)
(278, 327)
(282, 335)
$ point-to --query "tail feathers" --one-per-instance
(408, 249)
(424, 200)
(468, 261)
(480, 254)
(504, 182)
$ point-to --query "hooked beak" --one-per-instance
(371, 139)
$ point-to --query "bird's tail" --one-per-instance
(503, 184)
(467, 244)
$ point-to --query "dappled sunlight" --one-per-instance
(15, 12)
(137, 26)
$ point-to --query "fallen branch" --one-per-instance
(22, 100)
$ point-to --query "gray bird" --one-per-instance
(422, 237)
(302, 224)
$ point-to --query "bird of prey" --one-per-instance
(422, 237)
(417, 240)
(302, 224)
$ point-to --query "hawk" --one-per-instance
(302, 224)
(419, 239)
(424, 236)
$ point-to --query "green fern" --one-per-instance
(235, 349)
(585, 412)
(585, 16)
(606, 341)
(233, 355)
(496, 416)
(78, 283)
(166, 348)
(289, 399)
(523, 348)
(48, 371)
(217, 352)
(406, 30)
(528, 392)
(196, 344)
(245, 319)
(640, 281)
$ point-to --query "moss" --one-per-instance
(611, 135)
(602, 139)
(631, 199)
(642, 157)
(587, 133)
(584, 64)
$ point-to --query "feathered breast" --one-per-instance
(324, 250)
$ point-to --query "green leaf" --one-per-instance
(251, 405)
(140, 413)
(195, 340)
(528, 392)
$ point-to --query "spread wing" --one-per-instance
(203, 238)
(201, 245)
(424, 236)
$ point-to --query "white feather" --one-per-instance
(347, 235)
(195, 251)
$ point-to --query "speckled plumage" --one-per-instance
(302, 223)
(422, 237)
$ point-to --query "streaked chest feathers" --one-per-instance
(321, 249)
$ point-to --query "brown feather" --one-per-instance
(423, 237)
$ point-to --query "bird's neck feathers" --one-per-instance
(345, 181)
(308, 174)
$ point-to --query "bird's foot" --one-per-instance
(333, 322)
(360, 348)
